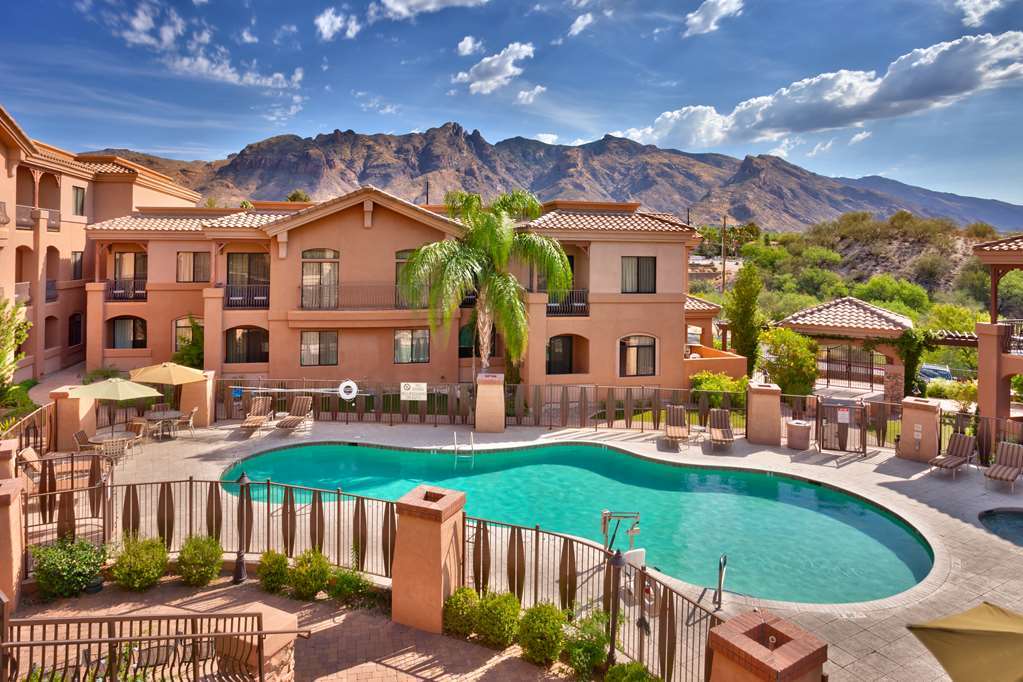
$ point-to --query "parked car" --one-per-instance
(929, 372)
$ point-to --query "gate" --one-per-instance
(849, 366)
(842, 426)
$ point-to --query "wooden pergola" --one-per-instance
(1001, 256)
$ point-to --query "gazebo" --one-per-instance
(701, 313)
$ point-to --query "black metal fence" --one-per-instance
(989, 431)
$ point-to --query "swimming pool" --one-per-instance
(1005, 523)
(785, 539)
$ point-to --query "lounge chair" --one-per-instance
(259, 413)
(301, 409)
(185, 422)
(1008, 464)
(958, 452)
(81, 442)
(721, 428)
(676, 425)
(31, 464)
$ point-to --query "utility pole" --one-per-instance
(724, 253)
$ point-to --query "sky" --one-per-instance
(929, 92)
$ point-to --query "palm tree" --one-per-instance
(444, 273)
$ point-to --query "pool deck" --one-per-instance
(868, 640)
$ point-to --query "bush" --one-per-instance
(715, 383)
(200, 560)
(100, 374)
(498, 619)
(310, 574)
(790, 360)
(140, 564)
(939, 388)
(587, 646)
(461, 611)
(349, 587)
(65, 568)
(273, 571)
(542, 633)
(629, 672)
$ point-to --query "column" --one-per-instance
(490, 403)
(534, 366)
(993, 388)
(200, 394)
(37, 335)
(95, 314)
(763, 414)
(760, 646)
(72, 415)
(213, 329)
(11, 540)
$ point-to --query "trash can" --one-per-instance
(797, 433)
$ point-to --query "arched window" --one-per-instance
(74, 329)
(320, 272)
(183, 331)
(126, 332)
(637, 356)
(247, 344)
(51, 332)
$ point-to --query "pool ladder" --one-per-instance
(719, 595)
(471, 455)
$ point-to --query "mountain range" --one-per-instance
(423, 166)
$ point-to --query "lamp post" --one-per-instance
(617, 562)
(240, 574)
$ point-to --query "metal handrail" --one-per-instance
(133, 289)
(573, 303)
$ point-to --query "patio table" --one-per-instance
(163, 418)
(100, 438)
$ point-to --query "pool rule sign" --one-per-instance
(413, 390)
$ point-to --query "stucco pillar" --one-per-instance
(37, 336)
(278, 662)
(760, 646)
(490, 403)
(213, 329)
(11, 540)
(763, 414)
(894, 382)
(993, 387)
(8, 458)
(707, 333)
(534, 367)
(920, 437)
(200, 394)
(427, 564)
(94, 323)
(72, 414)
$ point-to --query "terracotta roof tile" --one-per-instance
(154, 222)
(639, 221)
(694, 304)
(248, 219)
(105, 167)
(1014, 243)
(848, 313)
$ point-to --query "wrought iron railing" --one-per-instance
(573, 303)
(53, 220)
(355, 297)
(37, 430)
(126, 290)
(253, 296)
(51, 290)
(23, 292)
(1014, 339)
(23, 218)
(988, 431)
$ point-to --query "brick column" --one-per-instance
(11, 540)
(490, 403)
(760, 646)
(73, 415)
(427, 564)
(920, 437)
(763, 414)
(94, 323)
(993, 387)
(213, 329)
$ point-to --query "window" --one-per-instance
(466, 335)
(411, 346)
(78, 200)
(639, 275)
(541, 280)
(193, 266)
(74, 329)
(126, 332)
(183, 332)
(318, 348)
(319, 278)
(76, 265)
(637, 356)
(130, 265)
(247, 344)
(248, 268)
(559, 355)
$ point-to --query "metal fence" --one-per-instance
(56, 472)
(989, 431)
(657, 625)
(37, 430)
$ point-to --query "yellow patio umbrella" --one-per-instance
(983, 643)
(114, 390)
(169, 373)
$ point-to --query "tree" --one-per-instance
(13, 332)
(445, 272)
(789, 360)
(298, 195)
(190, 350)
(974, 280)
(246, 204)
(211, 202)
(744, 317)
(882, 289)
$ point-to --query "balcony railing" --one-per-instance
(1014, 340)
(574, 303)
(253, 296)
(23, 292)
(51, 290)
(469, 301)
(23, 217)
(53, 220)
(126, 290)
(355, 297)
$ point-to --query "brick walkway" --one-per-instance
(344, 645)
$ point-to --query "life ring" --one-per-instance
(348, 390)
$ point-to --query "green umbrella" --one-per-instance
(114, 390)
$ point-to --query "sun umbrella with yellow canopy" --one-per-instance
(168, 373)
(983, 643)
(114, 390)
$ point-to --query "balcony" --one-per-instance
(355, 297)
(126, 290)
(574, 303)
(23, 292)
(23, 217)
(51, 290)
(53, 220)
(247, 296)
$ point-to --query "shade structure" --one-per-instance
(169, 373)
(114, 389)
(983, 643)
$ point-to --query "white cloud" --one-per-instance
(580, 24)
(785, 146)
(705, 18)
(495, 71)
(547, 138)
(324, 64)
(469, 45)
(285, 111)
(529, 96)
(287, 34)
(329, 23)
(199, 3)
(368, 102)
(151, 26)
(860, 137)
(407, 9)
(215, 64)
(821, 148)
(974, 11)
(920, 80)
(247, 36)
(578, 141)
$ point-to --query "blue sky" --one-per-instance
(924, 91)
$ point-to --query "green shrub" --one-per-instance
(273, 571)
(461, 611)
(542, 633)
(310, 574)
(716, 383)
(939, 388)
(101, 374)
(629, 672)
(65, 568)
(140, 564)
(200, 560)
(349, 587)
(587, 645)
(498, 619)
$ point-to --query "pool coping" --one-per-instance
(941, 561)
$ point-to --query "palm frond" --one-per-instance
(518, 205)
(504, 297)
(547, 257)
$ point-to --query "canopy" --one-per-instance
(114, 389)
(169, 373)
(984, 643)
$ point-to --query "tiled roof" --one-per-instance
(248, 219)
(1007, 244)
(106, 167)
(632, 221)
(848, 313)
(694, 304)
(155, 222)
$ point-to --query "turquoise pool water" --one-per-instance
(785, 539)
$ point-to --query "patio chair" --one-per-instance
(81, 442)
(259, 413)
(720, 424)
(1008, 464)
(116, 448)
(676, 424)
(160, 407)
(958, 452)
(31, 465)
(142, 430)
(185, 422)
(301, 409)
